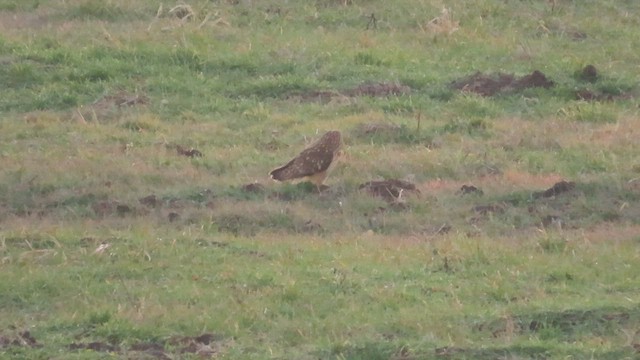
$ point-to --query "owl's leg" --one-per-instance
(318, 179)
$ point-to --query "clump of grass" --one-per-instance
(182, 11)
(20, 75)
(444, 24)
(142, 124)
(552, 244)
(368, 59)
(464, 126)
(389, 133)
(236, 220)
(13, 5)
(99, 10)
(593, 112)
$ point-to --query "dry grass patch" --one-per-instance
(111, 107)
(444, 24)
(14, 23)
(607, 233)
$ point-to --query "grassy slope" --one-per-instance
(331, 275)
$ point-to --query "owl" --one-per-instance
(313, 163)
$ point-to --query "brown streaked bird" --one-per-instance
(313, 163)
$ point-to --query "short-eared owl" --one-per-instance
(313, 163)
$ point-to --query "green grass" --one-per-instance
(97, 97)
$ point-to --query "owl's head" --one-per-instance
(332, 139)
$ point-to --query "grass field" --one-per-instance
(137, 219)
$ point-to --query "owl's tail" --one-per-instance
(283, 173)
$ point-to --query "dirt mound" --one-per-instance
(97, 346)
(173, 216)
(470, 189)
(590, 95)
(254, 188)
(552, 221)
(110, 207)
(557, 189)
(389, 190)
(204, 346)
(490, 85)
(588, 73)
(150, 201)
(21, 339)
(150, 351)
(487, 209)
(188, 152)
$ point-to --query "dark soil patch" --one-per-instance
(490, 85)
(389, 190)
(552, 221)
(470, 189)
(577, 35)
(589, 73)
(173, 216)
(188, 152)
(153, 350)
(557, 189)
(439, 230)
(205, 345)
(97, 346)
(487, 209)
(122, 209)
(633, 185)
(592, 95)
(311, 226)
(21, 339)
(150, 201)
(253, 188)
(182, 12)
(111, 207)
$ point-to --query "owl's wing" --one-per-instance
(310, 162)
(284, 172)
